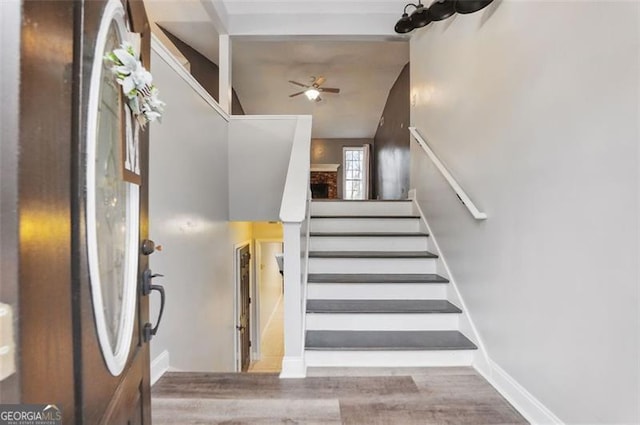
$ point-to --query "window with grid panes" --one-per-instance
(354, 173)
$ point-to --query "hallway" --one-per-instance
(272, 345)
(366, 396)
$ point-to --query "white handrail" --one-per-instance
(475, 212)
(294, 198)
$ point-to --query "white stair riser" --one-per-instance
(365, 225)
(436, 358)
(372, 265)
(376, 291)
(382, 322)
(361, 208)
(368, 243)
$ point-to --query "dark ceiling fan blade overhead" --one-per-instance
(328, 90)
(296, 94)
(319, 81)
(298, 84)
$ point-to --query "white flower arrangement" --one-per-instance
(136, 84)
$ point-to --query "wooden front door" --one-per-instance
(83, 220)
(245, 302)
(112, 378)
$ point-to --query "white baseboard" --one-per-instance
(293, 367)
(530, 407)
(159, 366)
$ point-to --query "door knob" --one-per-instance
(149, 247)
(240, 328)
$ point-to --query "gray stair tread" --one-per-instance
(360, 217)
(387, 340)
(375, 278)
(368, 234)
(381, 306)
(371, 254)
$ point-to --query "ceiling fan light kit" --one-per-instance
(312, 91)
(438, 11)
(312, 94)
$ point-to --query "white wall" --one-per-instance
(534, 108)
(269, 283)
(188, 206)
(259, 152)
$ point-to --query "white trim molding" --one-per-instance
(173, 62)
(293, 367)
(324, 168)
(522, 400)
(159, 366)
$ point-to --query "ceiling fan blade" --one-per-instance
(298, 84)
(328, 90)
(319, 81)
(296, 94)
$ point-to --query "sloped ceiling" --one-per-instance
(364, 68)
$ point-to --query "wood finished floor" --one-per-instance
(422, 396)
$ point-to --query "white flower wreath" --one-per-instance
(136, 84)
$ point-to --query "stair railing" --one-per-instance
(462, 195)
(294, 214)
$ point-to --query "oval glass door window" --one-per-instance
(112, 202)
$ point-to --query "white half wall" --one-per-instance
(534, 107)
(259, 153)
(188, 216)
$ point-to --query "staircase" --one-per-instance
(374, 295)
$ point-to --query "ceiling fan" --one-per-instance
(313, 90)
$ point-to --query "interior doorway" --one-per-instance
(243, 320)
(269, 309)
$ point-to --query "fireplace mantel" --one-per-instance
(324, 168)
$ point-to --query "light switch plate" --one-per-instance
(7, 345)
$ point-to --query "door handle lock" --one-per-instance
(149, 330)
(240, 328)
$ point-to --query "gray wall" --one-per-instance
(258, 159)
(329, 151)
(534, 108)
(188, 204)
(205, 71)
(392, 143)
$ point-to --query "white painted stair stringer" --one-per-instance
(466, 324)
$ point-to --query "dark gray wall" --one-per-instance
(329, 151)
(391, 147)
(205, 71)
